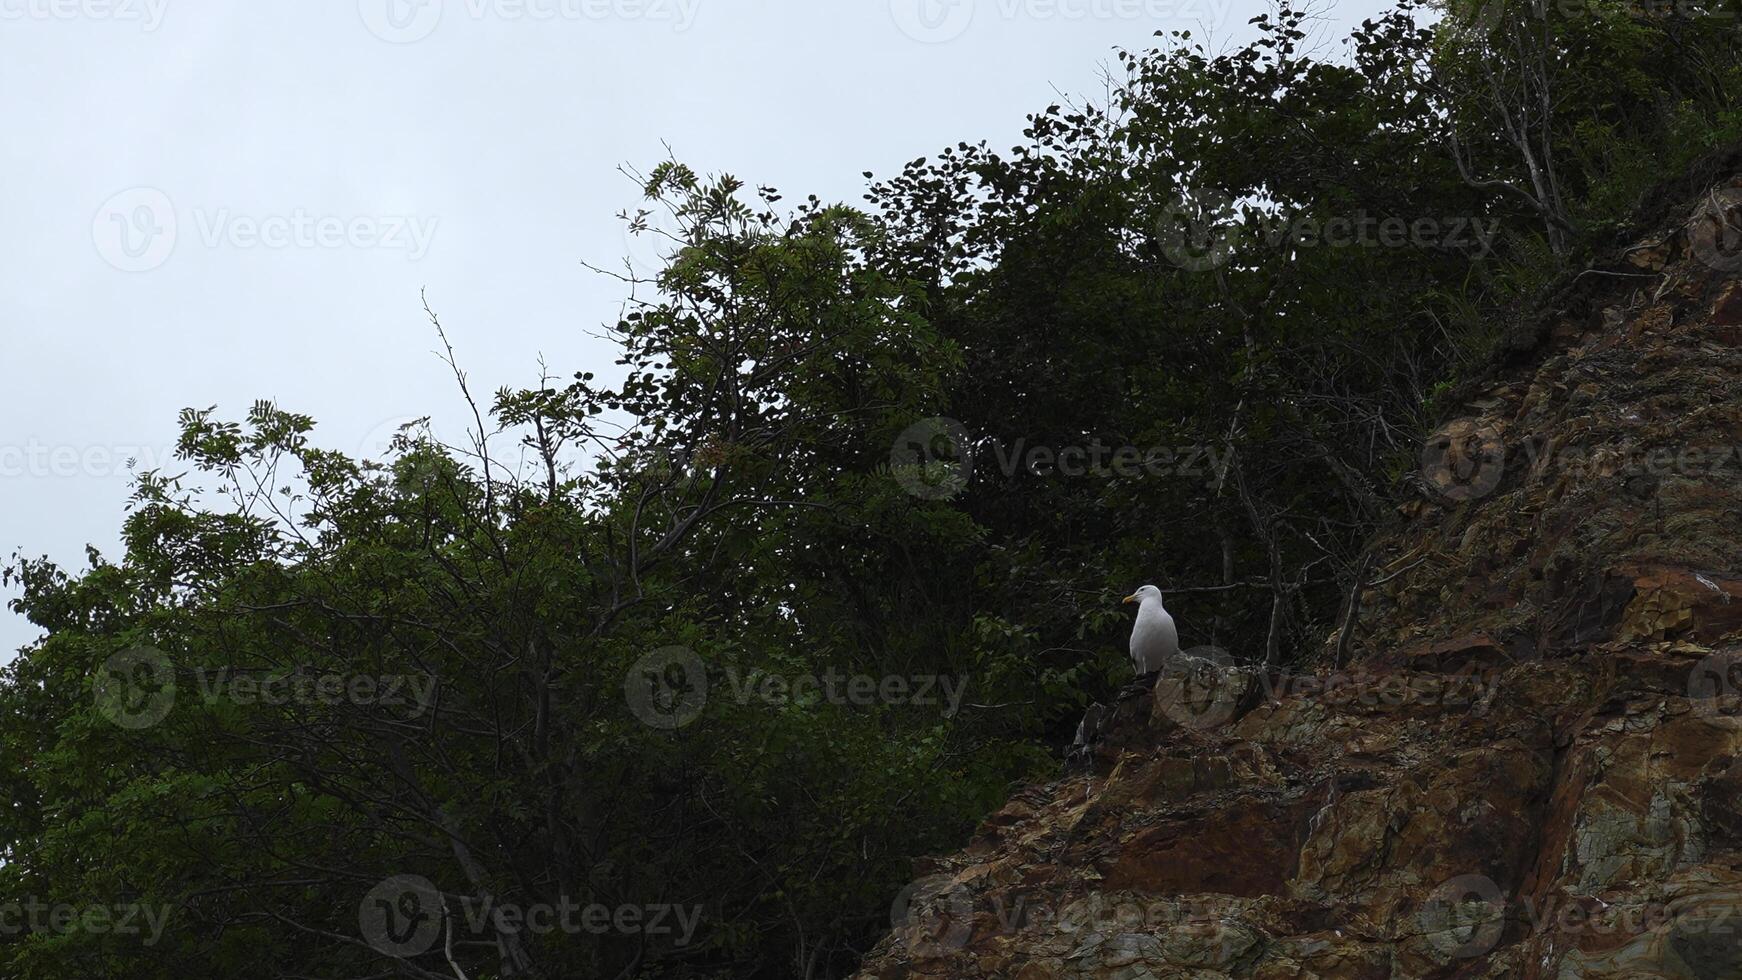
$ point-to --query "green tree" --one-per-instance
(577, 635)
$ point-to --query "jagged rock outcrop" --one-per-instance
(1531, 766)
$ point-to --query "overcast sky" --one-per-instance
(206, 203)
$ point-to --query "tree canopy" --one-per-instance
(832, 563)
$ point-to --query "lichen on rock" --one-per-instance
(1532, 764)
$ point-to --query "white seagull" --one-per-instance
(1153, 637)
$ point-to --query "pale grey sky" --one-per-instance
(206, 203)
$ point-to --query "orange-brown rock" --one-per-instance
(1532, 766)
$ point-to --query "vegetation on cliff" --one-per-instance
(559, 667)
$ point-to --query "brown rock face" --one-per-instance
(1533, 767)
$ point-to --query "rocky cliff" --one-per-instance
(1530, 764)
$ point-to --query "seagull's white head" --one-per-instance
(1145, 594)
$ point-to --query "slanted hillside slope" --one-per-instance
(1531, 765)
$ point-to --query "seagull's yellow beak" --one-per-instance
(1129, 599)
